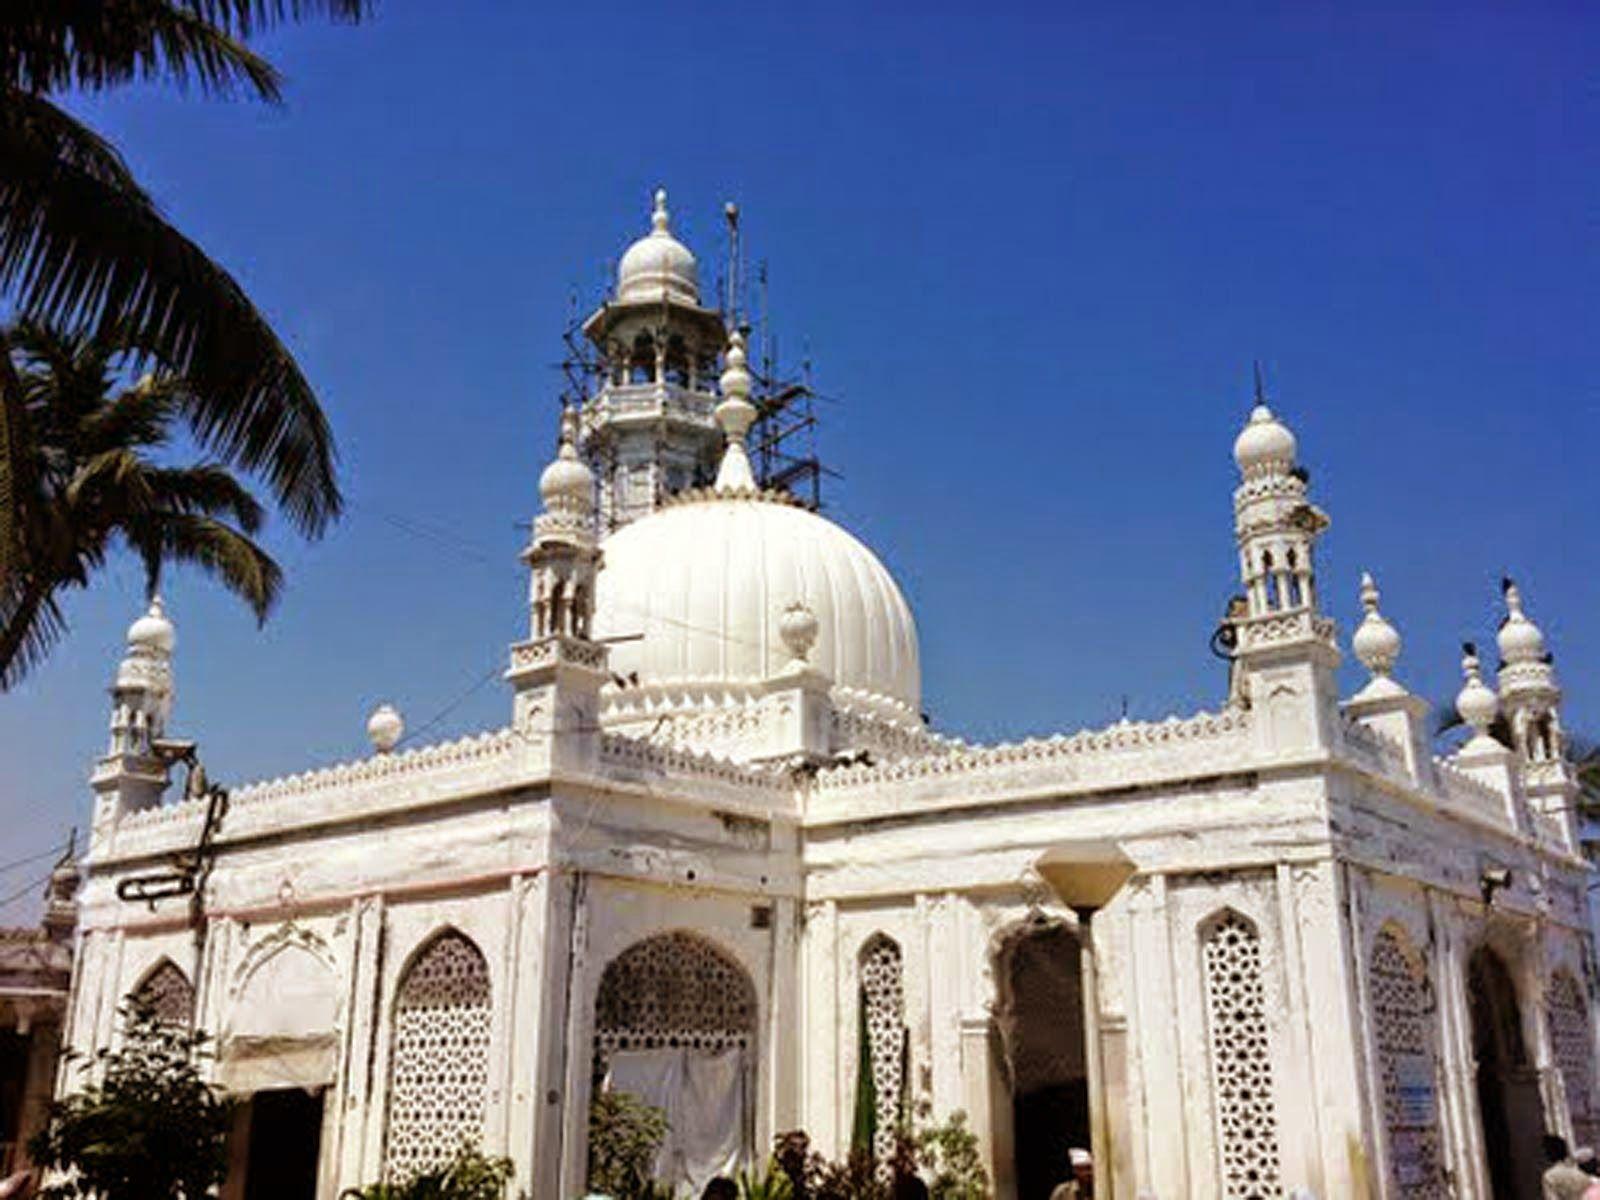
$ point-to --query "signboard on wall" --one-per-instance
(1414, 1088)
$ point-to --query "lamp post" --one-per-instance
(1085, 876)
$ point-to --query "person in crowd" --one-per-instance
(1562, 1179)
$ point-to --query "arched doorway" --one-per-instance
(675, 1022)
(1511, 1112)
(1040, 1017)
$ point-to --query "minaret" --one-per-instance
(557, 673)
(132, 776)
(649, 430)
(1286, 652)
(1530, 699)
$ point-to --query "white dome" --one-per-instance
(153, 631)
(1264, 439)
(566, 479)
(1519, 639)
(658, 266)
(706, 582)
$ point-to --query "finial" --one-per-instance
(1475, 702)
(735, 414)
(385, 728)
(1376, 642)
(658, 216)
(798, 628)
(1519, 639)
(1261, 388)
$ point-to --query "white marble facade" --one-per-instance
(1337, 962)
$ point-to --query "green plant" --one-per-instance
(149, 1129)
(99, 457)
(470, 1175)
(624, 1135)
(950, 1160)
(766, 1183)
(81, 243)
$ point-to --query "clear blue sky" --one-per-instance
(1032, 248)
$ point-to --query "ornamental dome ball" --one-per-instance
(658, 266)
(1376, 643)
(798, 627)
(385, 728)
(1477, 704)
(153, 631)
(1264, 439)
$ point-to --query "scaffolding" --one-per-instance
(783, 438)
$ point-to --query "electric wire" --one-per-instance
(26, 888)
(57, 849)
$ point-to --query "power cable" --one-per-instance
(26, 888)
(57, 849)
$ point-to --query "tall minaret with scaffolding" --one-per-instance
(649, 427)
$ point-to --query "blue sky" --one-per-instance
(1031, 248)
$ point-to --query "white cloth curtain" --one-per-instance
(703, 1095)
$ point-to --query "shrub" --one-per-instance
(624, 1135)
(151, 1129)
(470, 1175)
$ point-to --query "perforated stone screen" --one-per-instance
(1241, 1059)
(1574, 1053)
(1402, 1028)
(883, 994)
(168, 989)
(439, 1063)
(674, 989)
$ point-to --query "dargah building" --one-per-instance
(1274, 943)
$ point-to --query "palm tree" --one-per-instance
(92, 459)
(82, 246)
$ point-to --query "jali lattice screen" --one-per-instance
(439, 1061)
(1241, 1059)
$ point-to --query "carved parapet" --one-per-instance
(1282, 629)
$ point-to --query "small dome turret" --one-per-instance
(1264, 441)
(153, 631)
(1519, 639)
(567, 482)
(658, 266)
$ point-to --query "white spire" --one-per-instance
(1376, 642)
(1519, 639)
(1476, 703)
(735, 414)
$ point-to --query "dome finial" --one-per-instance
(1376, 642)
(1475, 702)
(1261, 387)
(659, 218)
(735, 414)
(798, 628)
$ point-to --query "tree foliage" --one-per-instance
(99, 473)
(144, 1126)
(82, 245)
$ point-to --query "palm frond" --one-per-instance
(247, 17)
(31, 623)
(209, 489)
(80, 251)
(243, 567)
(90, 45)
(140, 416)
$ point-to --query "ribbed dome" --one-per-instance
(706, 582)
(658, 266)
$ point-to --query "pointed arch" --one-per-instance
(1400, 998)
(168, 991)
(885, 1056)
(438, 1054)
(1572, 1047)
(677, 988)
(1240, 1042)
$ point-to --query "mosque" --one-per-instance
(717, 858)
